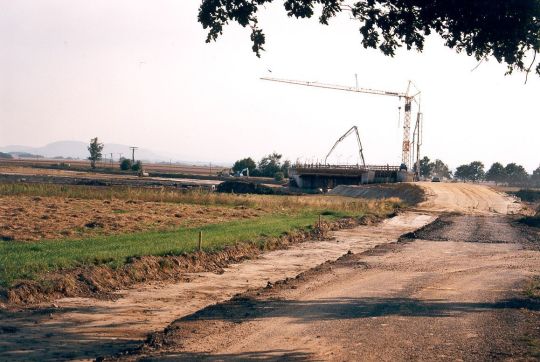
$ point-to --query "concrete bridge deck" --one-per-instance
(315, 176)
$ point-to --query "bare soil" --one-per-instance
(384, 300)
(25, 218)
(72, 177)
(422, 300)
(467, 198)
(173, 168)
(107, 326)
(409, 193)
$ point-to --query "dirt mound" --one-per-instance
(101, 280)
(408, 193)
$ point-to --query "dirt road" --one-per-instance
(467, 198)
(419, 301)
(455, 294)
(446, 297)
(83, 328)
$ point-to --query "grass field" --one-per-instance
(26, 260)
(269, 216)
(198, 197)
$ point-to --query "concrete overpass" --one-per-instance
(315, 176)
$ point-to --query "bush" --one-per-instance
(137, 166)
(531, 220)
(279, 176)
(528, 195)
(125, 164)
(244, 187)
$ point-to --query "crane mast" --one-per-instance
(409, 99)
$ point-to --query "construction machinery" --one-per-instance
(352, 130)
(241, 173)
(411, 95)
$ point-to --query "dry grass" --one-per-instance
(98, 225)
(33, 212)
(201, 197)
(30, 218)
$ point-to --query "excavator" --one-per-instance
(241, 173)
(353, 129)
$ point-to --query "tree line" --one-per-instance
(269, 166)
(512, 173)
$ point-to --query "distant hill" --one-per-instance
(78, 149)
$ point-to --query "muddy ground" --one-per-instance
(26, 218)
(416, 300)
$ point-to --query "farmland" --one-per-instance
(50, 227)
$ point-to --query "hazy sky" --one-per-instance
(139, 72)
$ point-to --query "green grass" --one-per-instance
(29, 260)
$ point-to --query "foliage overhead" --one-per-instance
(507, 30)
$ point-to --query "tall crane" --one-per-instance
(360, 150)
(410, 95)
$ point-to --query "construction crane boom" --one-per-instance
(337, 87)
(360, 150)
(409, 99)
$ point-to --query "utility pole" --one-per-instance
(111, 159)
(133, 148)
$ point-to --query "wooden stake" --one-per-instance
(319, 221)
(200, 240)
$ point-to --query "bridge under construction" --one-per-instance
(328, 176)
(322, 176)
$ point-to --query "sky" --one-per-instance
(139, 72)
